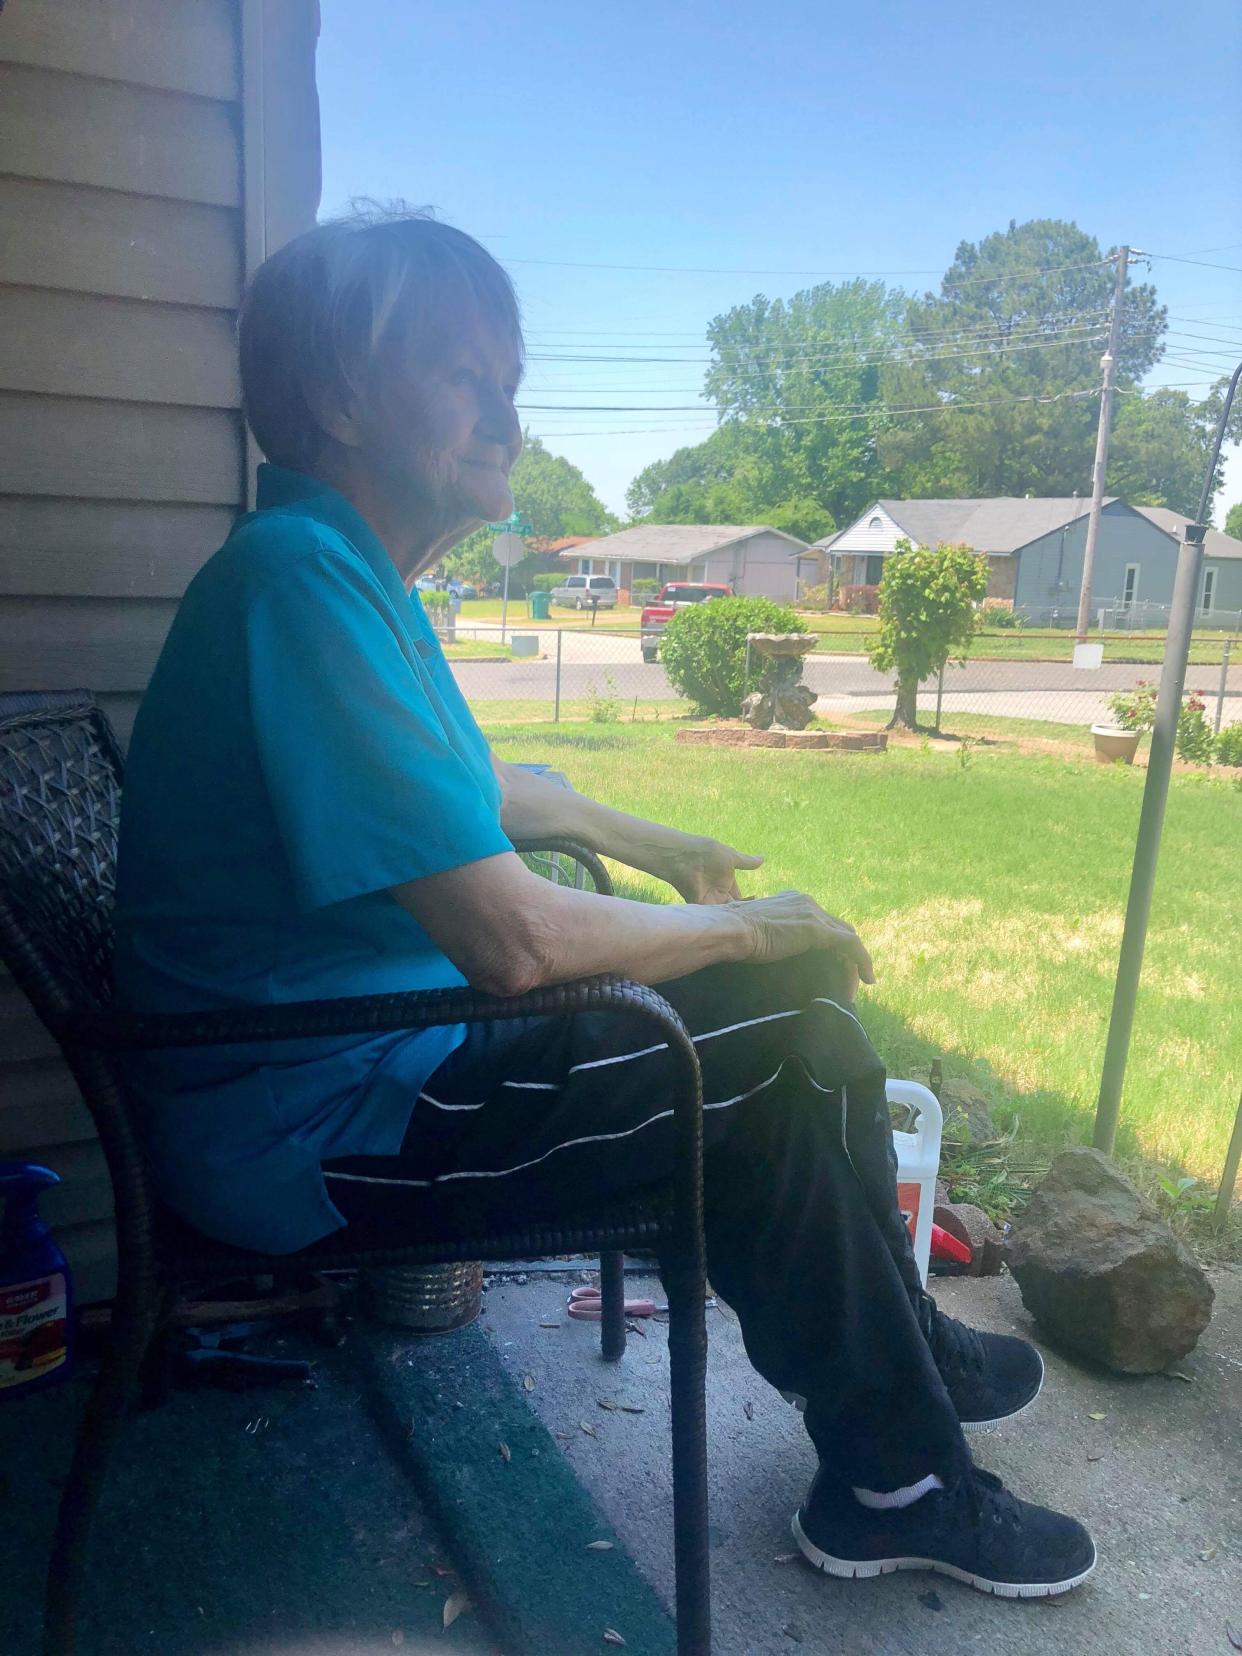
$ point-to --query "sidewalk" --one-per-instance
(1156, 1479)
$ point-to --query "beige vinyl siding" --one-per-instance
(151, 151)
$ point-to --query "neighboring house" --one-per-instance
(754, 560)
(1035, 547)
(153, 155)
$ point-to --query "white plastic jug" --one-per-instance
(918, 1163)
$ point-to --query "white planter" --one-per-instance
(1112, 743)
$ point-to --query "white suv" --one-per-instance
(586, 592)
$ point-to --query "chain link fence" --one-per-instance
(1014, 681)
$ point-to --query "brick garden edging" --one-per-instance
(819, 741)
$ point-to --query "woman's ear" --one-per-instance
(335, 409)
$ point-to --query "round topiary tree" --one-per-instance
(927, 616)
(704, 649)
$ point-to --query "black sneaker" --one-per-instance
(989, 1377)
(976, 1532)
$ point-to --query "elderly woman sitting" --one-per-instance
(310, 810)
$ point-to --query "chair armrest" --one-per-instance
(600, 877)
(117, 1031)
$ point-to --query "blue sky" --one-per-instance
(743, 143)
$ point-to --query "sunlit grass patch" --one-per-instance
(992, 898)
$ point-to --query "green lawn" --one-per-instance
(980, 727)
(468, 649)
(991, 895)
(849, 634)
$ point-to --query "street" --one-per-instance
(601, 663)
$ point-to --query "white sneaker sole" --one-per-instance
(853, 1570)
(799, 1403)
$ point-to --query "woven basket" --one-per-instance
(427, 1299)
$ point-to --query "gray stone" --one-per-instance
(757, 710)
(794, 706)
(1102, 1273)
(966, 1113)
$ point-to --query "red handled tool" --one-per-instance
(944, 1245)
(586, 1305)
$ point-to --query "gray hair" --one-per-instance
(318, 311)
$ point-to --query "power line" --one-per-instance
(1203, 264)
(676, 427)
(849, 275)
(1067, 318)
(858, 361)
(876, 412)
(775, 356)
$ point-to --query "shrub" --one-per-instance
(704, 649)
(1134, 709)
(1195, 741)
(998, 613)
(643, 588)
(546, 583)
(814, 597)
(1229, 745)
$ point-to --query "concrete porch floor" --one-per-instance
(1157, 1479)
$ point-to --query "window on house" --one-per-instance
(876, 523)
(1208, 599)
(1129, 587)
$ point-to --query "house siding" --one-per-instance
(761, 565)
(1049, 577)
(155, 150)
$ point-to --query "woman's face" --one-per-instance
(446, 435)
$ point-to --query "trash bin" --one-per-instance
(540, 606)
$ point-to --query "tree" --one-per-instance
(807, 371)
(1233, 520)
(741, 474)
(1159, 450)
(550, 494)
(1021, 315)
(927, 614)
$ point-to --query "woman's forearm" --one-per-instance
(509, 931)
(533, 807)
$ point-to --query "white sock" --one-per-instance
(886, 1499)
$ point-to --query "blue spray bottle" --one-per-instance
(36, 1290)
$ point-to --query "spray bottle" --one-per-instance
(36, 1289)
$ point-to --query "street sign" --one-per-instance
(508, 549)
(515, 525)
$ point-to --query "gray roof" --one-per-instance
(1007, 522)
(1002, 524)
(1215, 544)
(673, 543)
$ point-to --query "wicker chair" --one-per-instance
(60, 782)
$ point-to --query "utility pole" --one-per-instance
(1108, 362)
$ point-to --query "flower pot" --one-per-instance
(426, 1299)
(1112, 743)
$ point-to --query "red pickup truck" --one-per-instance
(674, 595)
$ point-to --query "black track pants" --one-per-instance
(549, 1117)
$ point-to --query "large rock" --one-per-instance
(1102, 1273)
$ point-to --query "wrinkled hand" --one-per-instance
(703, 870)
(792, 923)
